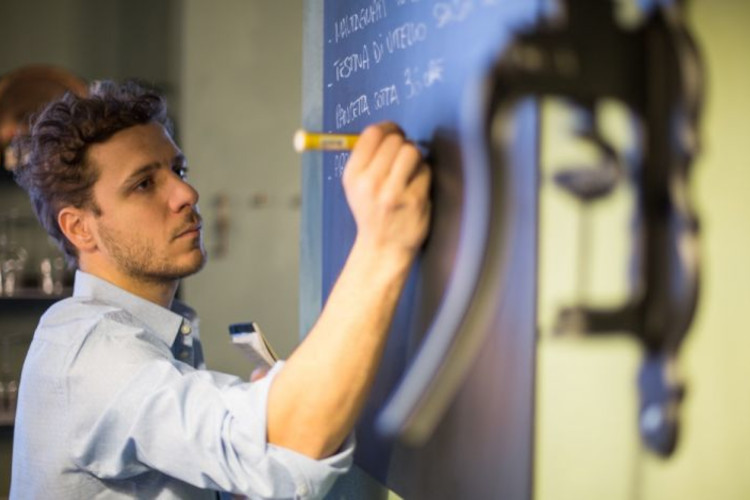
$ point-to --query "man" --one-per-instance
(111, 404)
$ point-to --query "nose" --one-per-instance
(182, 195)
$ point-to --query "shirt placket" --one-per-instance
(182, 348)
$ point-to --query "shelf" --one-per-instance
(25, 297)
(21, 220)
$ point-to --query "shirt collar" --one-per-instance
(163, 322)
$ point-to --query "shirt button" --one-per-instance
(185, 354)
(185, 329)
(302, 490)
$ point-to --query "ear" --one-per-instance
(75, 224)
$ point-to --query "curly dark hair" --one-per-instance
(54, 168)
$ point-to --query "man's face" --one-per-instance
(148, 227)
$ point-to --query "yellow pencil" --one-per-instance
(304, 141)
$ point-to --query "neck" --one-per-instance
(158, 291)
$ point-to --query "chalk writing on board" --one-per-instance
(452, 12)
(339, 162)
(400, 38)
(357, 21)
(417, 79)
(358, 61)
(387, 96)
(372, 48)
(351, 111)
(405, 36)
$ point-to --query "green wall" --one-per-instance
(586, 430)
(240, 104)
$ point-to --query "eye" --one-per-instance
(145, 184)
(181, 171)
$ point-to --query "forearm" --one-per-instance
(315, 400)
(317, 397)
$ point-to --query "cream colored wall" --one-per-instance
(586, 428)
(240, 105)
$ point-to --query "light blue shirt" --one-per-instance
(113, 403)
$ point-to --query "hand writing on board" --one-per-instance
(387, 187)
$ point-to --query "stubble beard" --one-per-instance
(138, 259)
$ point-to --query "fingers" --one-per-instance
(420, 181)
(383, 161)
(369, 143)
(382, 165)
(419, 186)
(404, 166)
(258, 374)
(383, 153)
(387, 184)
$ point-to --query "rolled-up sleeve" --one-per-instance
(204, 428)
(310, 478)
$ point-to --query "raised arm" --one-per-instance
(316, 398)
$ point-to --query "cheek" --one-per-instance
(127, 229)
(138, 219)
(138, 223)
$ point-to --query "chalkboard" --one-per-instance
(412, 62)
(402, 60)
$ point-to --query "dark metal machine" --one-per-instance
(585, 57)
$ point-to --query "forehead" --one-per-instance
(132, 148)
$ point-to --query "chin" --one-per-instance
(188, 266)
(196, 264)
